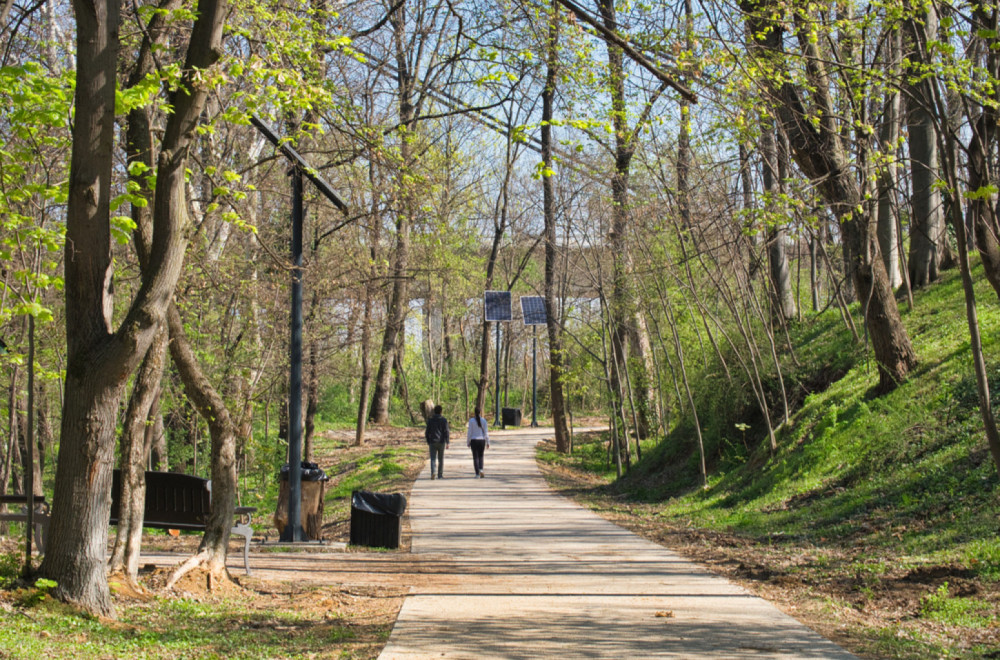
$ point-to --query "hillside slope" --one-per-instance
(884, 509)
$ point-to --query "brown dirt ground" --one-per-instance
(319, 593)
(818, 585)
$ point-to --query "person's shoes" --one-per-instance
(440, 476)
(482, 475)
(432, 477)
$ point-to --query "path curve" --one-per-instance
(526, 573)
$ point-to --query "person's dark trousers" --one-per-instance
(478, 447)
(437, 457)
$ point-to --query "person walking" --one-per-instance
(478, 439)
(438, 438)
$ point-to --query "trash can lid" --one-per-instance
(310, 472)
(386, 504)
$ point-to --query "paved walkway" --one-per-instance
(529, 574)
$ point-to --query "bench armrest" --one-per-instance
(245, 513)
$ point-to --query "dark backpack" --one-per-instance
(437, 429)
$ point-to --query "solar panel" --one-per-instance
(498, 306)
(533, 310)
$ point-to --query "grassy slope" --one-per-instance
(909, 470)
(899, 484)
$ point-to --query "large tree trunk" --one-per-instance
(552, 315)
(75, 556)
(98, 361)
(927, 233)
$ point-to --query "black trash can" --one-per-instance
(510, 416)
(376, 518)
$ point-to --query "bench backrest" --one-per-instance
(173, 500)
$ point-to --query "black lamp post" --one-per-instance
(293, 531)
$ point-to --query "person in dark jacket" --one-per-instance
(438, 438)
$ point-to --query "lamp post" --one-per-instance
(293, 531)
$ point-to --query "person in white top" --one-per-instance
(478, 439)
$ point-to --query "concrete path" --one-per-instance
(529, 574)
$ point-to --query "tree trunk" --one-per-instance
(156, 435)
(499, 228)
(981, 162)
(98, 361)
(215, 542)
(975, 339)
(134, 453)
(819, 152)
(81, 503)
(45, 437)
(782, 296)
(888, 239)
(927, 231)
(552, 315)
(399, 300)
(374, 237)
(10, 459)
(312, 385)
(627, 325)
(145, 392)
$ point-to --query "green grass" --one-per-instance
(369, 472)
(165, 628)
(957, 611)
(909, 470)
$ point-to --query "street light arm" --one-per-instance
(299, 163)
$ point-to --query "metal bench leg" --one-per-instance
(41, 533)
(246, 531)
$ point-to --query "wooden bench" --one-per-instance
(181, 501)
(40, 516)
